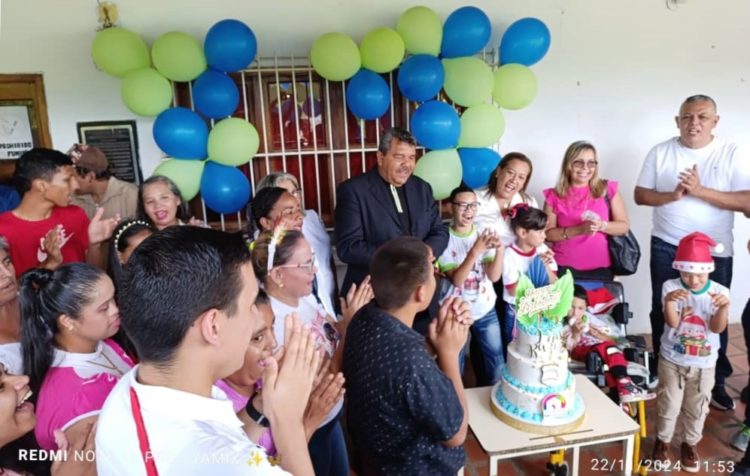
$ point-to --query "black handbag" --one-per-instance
(624, 250)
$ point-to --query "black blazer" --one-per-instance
(366, 217)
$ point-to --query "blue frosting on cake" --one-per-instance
(544, 326)
(536, 417)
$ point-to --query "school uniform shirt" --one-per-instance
(401, 406)
(515, 263)
(76, 387)
(188, 434)
(26, 237)
(314, 314)
(692, 344)
(477, 288)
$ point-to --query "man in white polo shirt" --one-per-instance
(695, 182)
(187, 301)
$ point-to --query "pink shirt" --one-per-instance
(582, 252)
(75, 387)
(238, 404)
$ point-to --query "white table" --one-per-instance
(603, 422)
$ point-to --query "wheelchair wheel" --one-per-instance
(558, 469)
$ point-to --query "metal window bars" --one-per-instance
(305, 129)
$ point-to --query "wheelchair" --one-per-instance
(640, 360)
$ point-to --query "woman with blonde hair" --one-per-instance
(579, 217)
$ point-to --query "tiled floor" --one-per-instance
(719, 428)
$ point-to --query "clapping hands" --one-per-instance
(449, 330)
(51, 244)
(486, 240)
(356, 298)
(287, 386)
(690, 181)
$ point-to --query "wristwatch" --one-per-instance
(255, 415)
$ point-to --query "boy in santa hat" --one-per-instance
(696, 310)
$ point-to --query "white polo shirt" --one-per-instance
(188, 434)
(721, 166)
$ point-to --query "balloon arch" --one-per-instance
(434, 60)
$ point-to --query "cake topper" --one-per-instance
(549, 302)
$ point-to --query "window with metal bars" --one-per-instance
(305, 129)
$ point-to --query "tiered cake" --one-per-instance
(537, 391)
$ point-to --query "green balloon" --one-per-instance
(468, 80)
(515, 86)
(232, 141)
(442, 170)
(186, 174)
(146, 92)
(335, 56)
(118, 51)
(178, 56)
(422, 31)
(481, 126)
(382, 50)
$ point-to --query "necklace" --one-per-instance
(111, 365)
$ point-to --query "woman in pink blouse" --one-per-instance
(579, 218)
(67, 319)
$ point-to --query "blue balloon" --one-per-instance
(465, 32)
(421, 77)
(215, 95)
(526, 41)
(478, 164)
(224, 189)
(230, 45)
(436, 125)
(368, 95)
(181, 133)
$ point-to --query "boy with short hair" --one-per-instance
(44, 230)
(472, 262)
(696, 310)
(406, 411)
(187, 302)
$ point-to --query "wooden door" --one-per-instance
(26, 91)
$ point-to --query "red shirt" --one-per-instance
(25, 237)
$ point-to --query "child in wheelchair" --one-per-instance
(585, 333)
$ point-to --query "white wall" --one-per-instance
(615, 74)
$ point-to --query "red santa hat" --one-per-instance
(694, 253)
(695, 320)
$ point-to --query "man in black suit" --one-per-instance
(384, 203)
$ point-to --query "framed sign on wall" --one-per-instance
(119, 142)
(23, 118)
(16, 135)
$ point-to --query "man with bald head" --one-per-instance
(695, 182)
